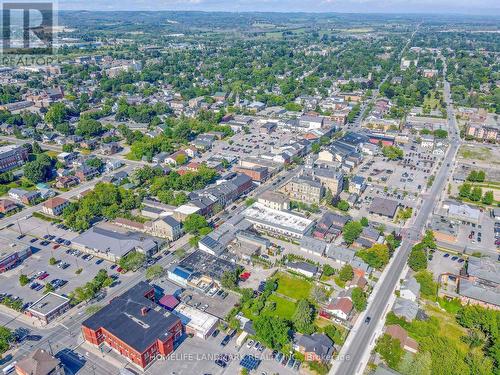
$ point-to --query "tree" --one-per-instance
(272, 331)
(229, 279)
(392, 152)
(5, 339)
(194, 222)
(343, 205)
(358, 299)
(476, 194)
(318, 294)
(181, 159)
(49, 288)
(364, 221)
(88, 128)
(328, 270)
(418, 258)
(303, 317)
(420, 364)
(429, 241)
(346, 273)
(376, 256)
(23, 279)
(154, 272)
(56, 114)
(464, 190)
(428, 287)
(132, 261)
(52, 261)
(488, 197)
(440, 133)
(351, 231)
(38, 170)
(390, 350)
(315, 148)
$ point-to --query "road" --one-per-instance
(352, 357)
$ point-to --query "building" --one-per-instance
(384, 207)
(304, 189)
(11, 260)
(24, 196)
(39, 362)
(86, 173)
(274, 200)
(12, 156)
(410, 289)
(399, 333)
(6, 206)
(330, 179)
(405, 308)
(340, 308)
(198, 323)
(135, 326)
(312, 245)
(316, 347)
(462, 213)
(278, 223)
(257, 174)
(357, 185)
(49, 307)
(54, 206)
(111, 242)
(304, 268)
(166, 227)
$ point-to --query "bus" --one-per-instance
(10, 368)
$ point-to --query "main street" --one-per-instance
(352, 358)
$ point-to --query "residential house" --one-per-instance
(274, 200)
(166, 227)
(39, 362)
(316, 347)
(86, 173)
(405, 308)
(304, 268)
(410, 289)
(340, 308)
(399, 333)
(54, 206)
(65, 182)
(6, 206)
(312, 246)
(24, 196)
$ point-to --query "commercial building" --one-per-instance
(257, 174)
(135, 326)
(13, 259)
(274, 200)
(330, 179)
(49, 307)
(198, 323)
(111, 242)
(12, 156)
(278, 223)
(462, 213)
(384, 207)
(304, 189)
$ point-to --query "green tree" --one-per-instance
(376, 256)
(52, 261)
(23, 280)
(194, 222)
(364, 221)
(343, 205)
(328, 270)
(476, 194)
(303, 317)
(428, 287)
(132, 261)
(88, 128)
(229, 279)
(56, 114)
(346, 273)
(49, 288)
(488, 197)
(351, 231)
(392, 152)
(418, 258)
(358, 299)
(420, 364)
(464, 190)
(272, 331)
(390, 350)
(154, 272)
(5, 339)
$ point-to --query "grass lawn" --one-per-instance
(293, 287)
(284, 307)
(476, 153)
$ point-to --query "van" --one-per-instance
(10, 368)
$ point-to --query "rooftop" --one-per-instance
(382, 206)
(48, 303)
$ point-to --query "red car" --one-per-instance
(55, 246)
(43, 276)
(119, 269)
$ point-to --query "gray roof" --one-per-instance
(312, 244)
(123, 318)
(48, 303)
(207, 264)
(304, 266)
(382, 206)
(317, 343)
(484, 268)
(485, 292)
(341, 254)
(105, 240)
(170, 221)
(412, 285)
(405, 308)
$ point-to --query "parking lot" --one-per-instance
(218, 304)
(37, 267)
(442, 262)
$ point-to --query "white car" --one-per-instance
(250, 343)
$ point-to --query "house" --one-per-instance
(340, 307)
(24, 196)
(384, 207)
(110, 148)
(312, 246)
(399, 333)
(405, 308)
(341, 255)
(178, 157)
(410, 289)
(65, 182)
(304, 268)
(316, 347)
(6, 206)
(39, 362)
(136, 322)
(12, 156)
(357, 185)
(54, 206)
(86, 173)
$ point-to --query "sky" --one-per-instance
(489, 7)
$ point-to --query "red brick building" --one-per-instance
(135, 326)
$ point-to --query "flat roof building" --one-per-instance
(280, 223)
(135, 326)
(197, 322)
(49, 307)
(384, 207)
